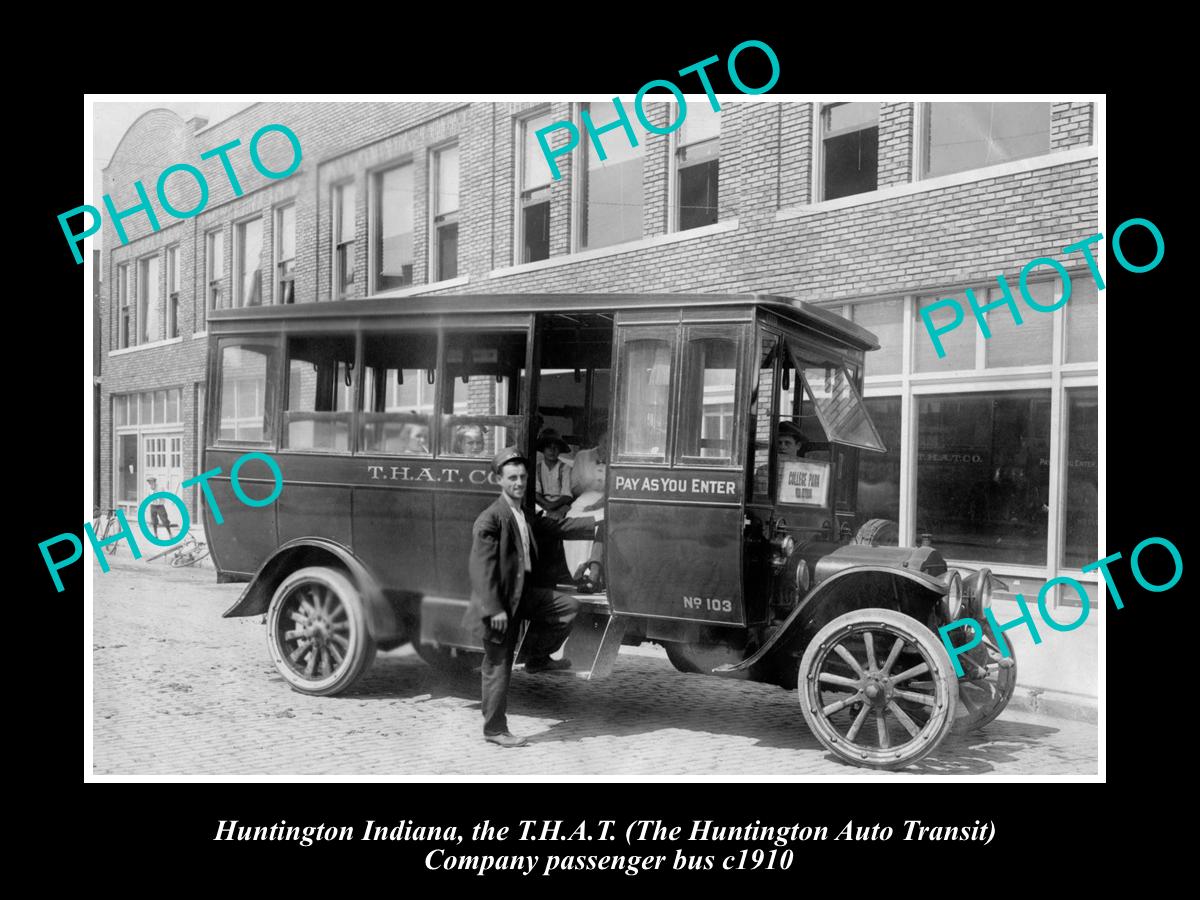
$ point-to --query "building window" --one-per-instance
(961, 136)
(983, 475)
(884, 319)
(248, 263)
(148, 301)
(879, 473)
(285, 254)
(697, 153)
(393, 225)
(214, 269)
(173, 291)
(1079, 543)
(343, 240)
(849, 149)
(123, 313)
(533, 200)
(444, 189)
(611, 191)
(1082, 314)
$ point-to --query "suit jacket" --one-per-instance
(497, 572)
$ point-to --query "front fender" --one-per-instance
(382, 621)
(911, 592)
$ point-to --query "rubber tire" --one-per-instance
(361, 651)
(1005, 686)
(913, 632)
(701, 659)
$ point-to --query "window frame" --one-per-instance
(922, 120)
(444, 421)
(124, 316)
(640, 332)
(271, 391)
(277, 256)
(349, 415)
(172, 296)
(339, 240)
(375, 224)
(239, 282)
(817, 192)
(214, 287)
(363, 416)
(439, 221)
(676, 172)
(582, 186)
(143, 285)
(521, 124)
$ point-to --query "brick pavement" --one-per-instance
(180, 691)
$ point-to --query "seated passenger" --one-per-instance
(414, 438)
(469, 440)
(553, 488)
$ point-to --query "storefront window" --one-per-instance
(1079, 542)
(886, 321)
(1027, 344)
(879, 473)
(958, 343)
(983, 475)
(1082, 312)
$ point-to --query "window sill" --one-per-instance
(424, 288)
(1049, 160)
(134, 349)
(199, 335)
(673, 237)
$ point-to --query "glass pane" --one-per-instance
(842, 117)
(345, 205)
(612, 191)
(398, 393)
(250, 263)
(1080, 541)
(983, 475)
(1026, 344)
(536, 171)
(216, 255)
(148, 301)
(840, 408)
(879, 473)
(1083, 321)
(851, 164)
(147, 405)
(700, 123)
(394, 245)
(287, 233)
(173, 405)
(243, 392)
(708, 397)
(346, 267)
(160, 407)
(961, 136)
(320, 392)
(886, 321)
(119, 411)
(447, 181)
(127, 468)
(447, 237)
(172, 270)
(958, 344)
(698, 195)
(645, 390)
(483, 380)
(760, 412)
(535, 232)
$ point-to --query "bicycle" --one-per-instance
(189, 552)
(103, 526)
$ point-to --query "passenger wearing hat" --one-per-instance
(553, 489)
(509, 583)
(790, 440)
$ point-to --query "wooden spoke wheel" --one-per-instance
(451, 660)
(317, 631)
(987, 684)
(877, 688)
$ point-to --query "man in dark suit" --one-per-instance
(509, 584)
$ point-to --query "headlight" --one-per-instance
(954, 595)
(983, 590)
(803, 579)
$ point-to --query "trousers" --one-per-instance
(550, 616)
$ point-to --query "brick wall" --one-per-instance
(921, 241)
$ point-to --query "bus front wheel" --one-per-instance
(317, 631)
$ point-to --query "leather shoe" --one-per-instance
(546, 664)
(504, 739)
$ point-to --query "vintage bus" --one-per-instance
(739, 551)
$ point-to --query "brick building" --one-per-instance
(876, 210)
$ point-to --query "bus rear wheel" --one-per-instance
(317, 631)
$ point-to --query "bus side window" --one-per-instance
(644, 393)
(399, 380)
(710, 366)
(761, 411)
(247, 373)
(484, 373)
(320, 392)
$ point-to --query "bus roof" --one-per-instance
(454, 305)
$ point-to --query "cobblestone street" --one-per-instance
(180, 691)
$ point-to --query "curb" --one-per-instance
(1056, 704)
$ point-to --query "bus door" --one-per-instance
(676, 486)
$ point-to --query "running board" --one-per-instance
(595, 638)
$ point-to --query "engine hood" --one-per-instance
(915, 559)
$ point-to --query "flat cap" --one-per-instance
(507, 455)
